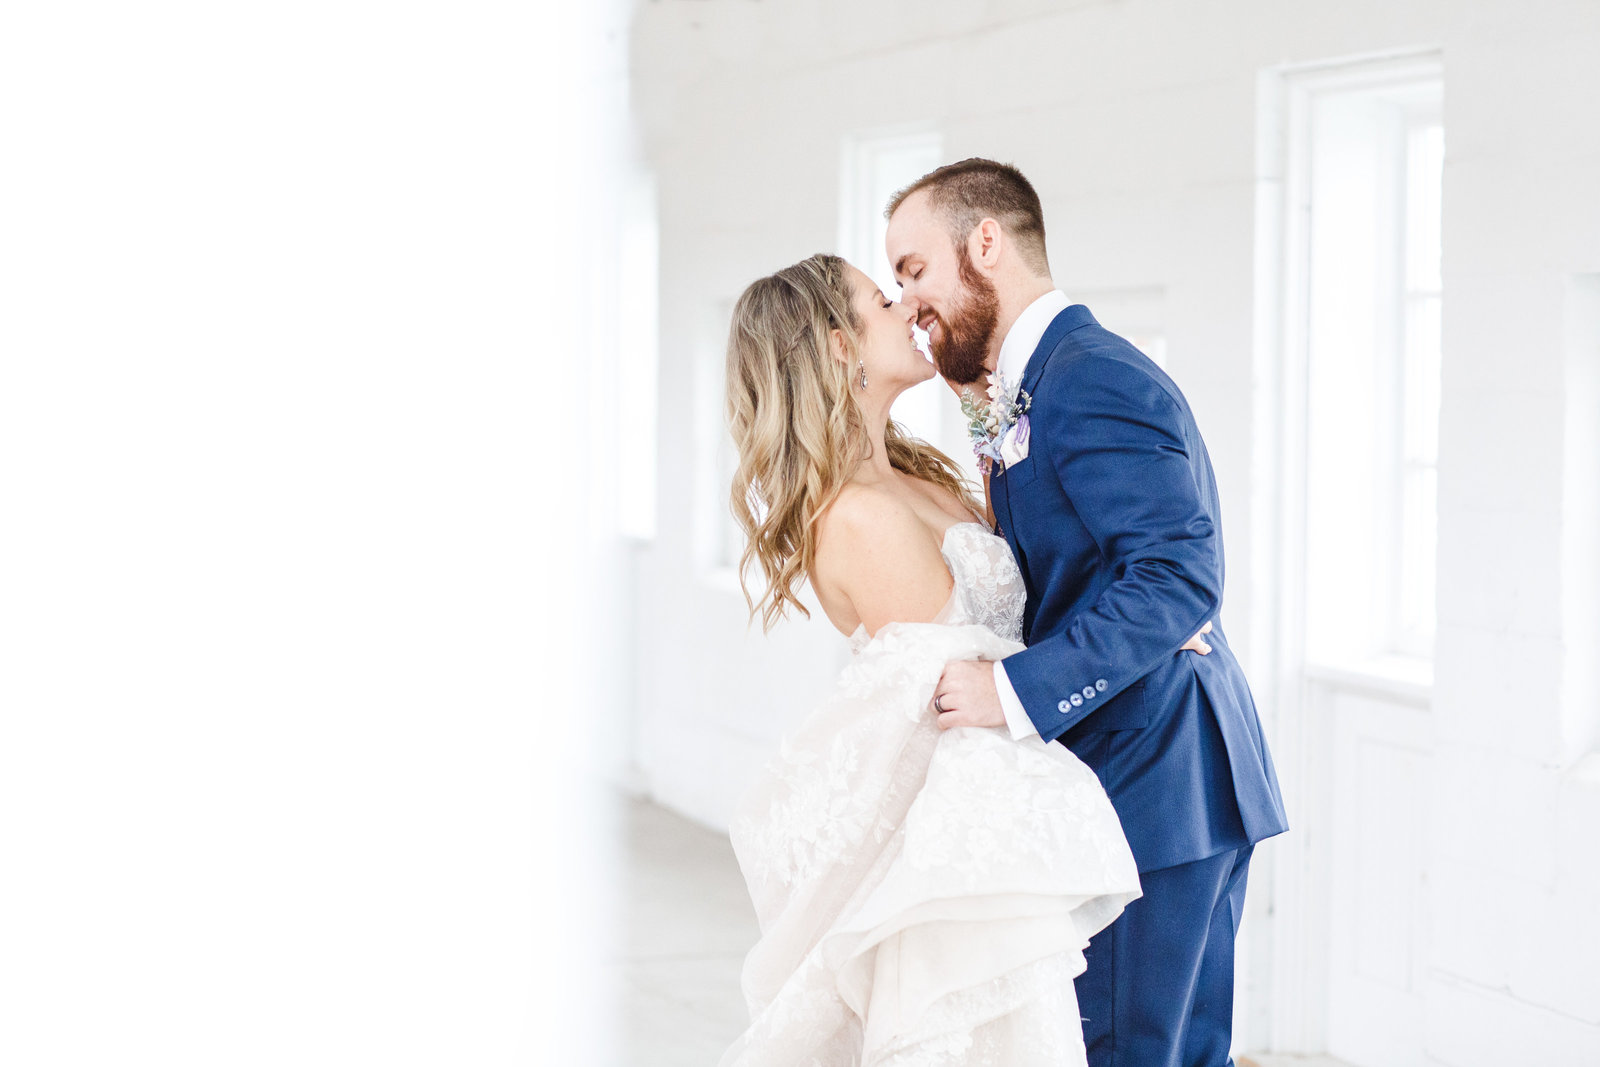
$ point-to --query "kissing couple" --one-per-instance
(1017, 833)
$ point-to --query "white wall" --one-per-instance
(1137, 121)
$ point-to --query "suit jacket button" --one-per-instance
(1101, 685)
(1063, 707)
(1088, 692)
(1077, 700)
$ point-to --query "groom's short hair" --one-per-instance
(964, 194)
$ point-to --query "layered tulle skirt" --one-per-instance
(924, 896)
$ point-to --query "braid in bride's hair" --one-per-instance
(796, 426)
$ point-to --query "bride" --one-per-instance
(924, 896)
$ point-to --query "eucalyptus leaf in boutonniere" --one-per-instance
(997, 425)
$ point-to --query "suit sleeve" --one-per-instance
(1116, 440)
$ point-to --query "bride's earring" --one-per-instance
(862, 364)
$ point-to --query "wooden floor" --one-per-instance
(689, 927)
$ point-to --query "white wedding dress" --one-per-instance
(924, 896)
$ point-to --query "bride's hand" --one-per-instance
(1197, 642)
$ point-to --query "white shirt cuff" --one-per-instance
(1016, 716)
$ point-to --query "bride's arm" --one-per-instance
(874, 552)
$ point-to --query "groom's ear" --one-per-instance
(985, 242)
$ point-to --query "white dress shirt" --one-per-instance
(1015, 350)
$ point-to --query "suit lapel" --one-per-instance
(1069, 319)
(1064, 323)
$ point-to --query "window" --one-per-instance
(1416, 535)
(1580, 527)
(637, 333)
(1368, 198)
(717, 530)
(873, 167)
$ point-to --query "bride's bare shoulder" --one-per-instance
(877, 554)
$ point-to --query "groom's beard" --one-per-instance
(964, 337)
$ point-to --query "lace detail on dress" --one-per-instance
(988, 582)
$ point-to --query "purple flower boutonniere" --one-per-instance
(998, 425)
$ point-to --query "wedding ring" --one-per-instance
(936, 705)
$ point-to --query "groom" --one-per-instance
(1107, 498)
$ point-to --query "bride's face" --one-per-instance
(887, 345)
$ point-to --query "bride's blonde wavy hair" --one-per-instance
(796, 425)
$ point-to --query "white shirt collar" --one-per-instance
(1025, 334)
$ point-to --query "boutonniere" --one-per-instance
(997, 425)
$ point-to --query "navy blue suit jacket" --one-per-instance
(1115, 522)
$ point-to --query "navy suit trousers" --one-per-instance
(1159, 988)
